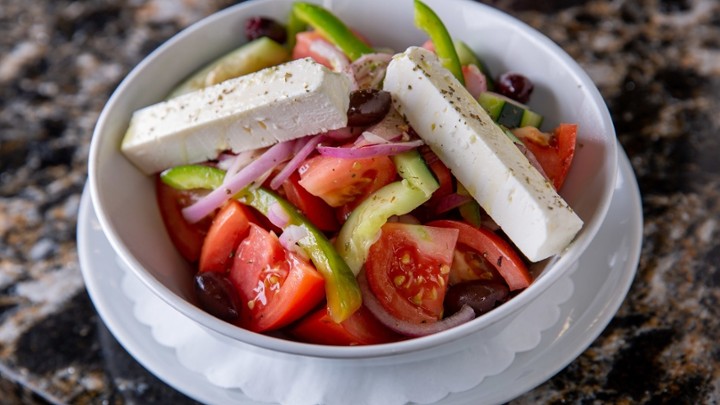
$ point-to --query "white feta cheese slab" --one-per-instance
(480, 155)
(272, 105)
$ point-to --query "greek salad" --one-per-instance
(331, 191)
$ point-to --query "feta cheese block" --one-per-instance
(495, 172)
(273, 105)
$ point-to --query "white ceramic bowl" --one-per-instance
(125, 201)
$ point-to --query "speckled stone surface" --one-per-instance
(656, 62)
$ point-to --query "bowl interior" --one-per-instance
(125, 201)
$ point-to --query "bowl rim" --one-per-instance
(561, 263)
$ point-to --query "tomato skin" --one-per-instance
(408, 273)
(495, 249)
(361, 328)
(303, 41)
(186, 237)
(554, 153)
(276, 287)
(341, 181)
(229, 227)
(314, 208)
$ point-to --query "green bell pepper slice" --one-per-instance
(341, 288)
(362, 227)
(428, 21)
(330, 27)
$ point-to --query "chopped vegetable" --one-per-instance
(334, 30)
(428, 21)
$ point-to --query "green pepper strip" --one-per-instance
(428, 21)
(341, 288)
(332, 28)
(362, 227)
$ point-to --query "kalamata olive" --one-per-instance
(257, 27)
(482, 296)
(368, 107)
(514, 86)
(217, 295)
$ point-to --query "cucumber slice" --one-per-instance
(508, 112)
(411, 167)
(248, 58)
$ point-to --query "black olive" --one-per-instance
(217, 295)
(368, 107)
(480, 295)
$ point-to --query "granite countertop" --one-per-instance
(656, 62)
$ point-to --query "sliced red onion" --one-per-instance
(368, 138)
(370, 302)
(385, 149)
(278, 216)
(391, 128)
(450, 202)
(266, 162)
(330, 52)
(234, 164)
(290, 237)
(309, 145)
(340, 134)
(369, 70)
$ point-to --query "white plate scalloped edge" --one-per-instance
(598, 294)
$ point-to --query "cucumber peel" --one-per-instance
(248, 58)
(507, 112)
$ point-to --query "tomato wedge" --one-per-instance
(407, 270)
(554, 152)
(187, 238)
(495, 249)
(361, 328)
(229, 227)
(314, 208)
(341, 181)
(276, 287)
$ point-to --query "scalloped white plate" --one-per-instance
(605, 273)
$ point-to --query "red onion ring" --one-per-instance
(310, 143)
(333, 55)
(267, 161)
(370, 302)
(384, 149)
(290, 237)
(278, 216)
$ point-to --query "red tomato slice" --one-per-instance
(407, 270)
(341, 181)
(361, 328)
(276, 287)
(303, 40)
(494, 249)
(230, 226)
(314, 208)
(187, 238)
(468, 264)
(554, 152)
